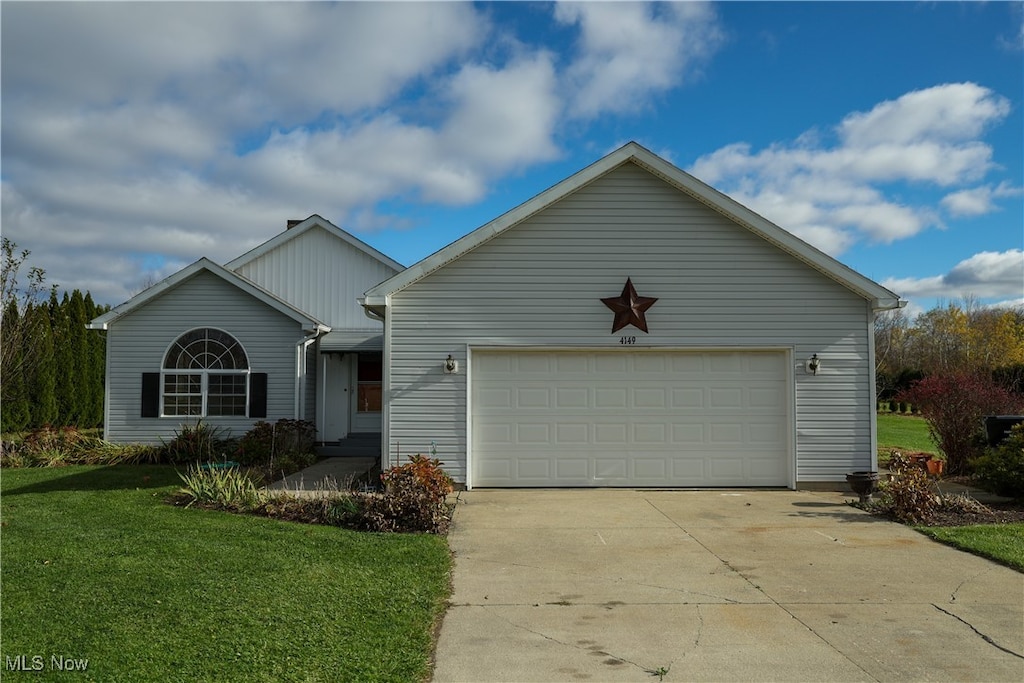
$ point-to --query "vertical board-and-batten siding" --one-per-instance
(321, 275)
(137, 342)
(539, 284)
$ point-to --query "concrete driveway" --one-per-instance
(627, 585)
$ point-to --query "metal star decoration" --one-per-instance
(629, 308)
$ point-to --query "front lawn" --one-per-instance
(96, 566)
(903, 433)
(1001, 542)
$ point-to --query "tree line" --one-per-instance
(51, 366)
(952, 339)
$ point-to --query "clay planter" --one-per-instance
(863, 484)
(920, 459)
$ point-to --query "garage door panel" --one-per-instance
(611, 468)
(650, 433)
(569, 433)
(572, 397)
(630, 418)
(572, 468)
(611, 433)
(687, 434)
(611, 397)
(653, 398)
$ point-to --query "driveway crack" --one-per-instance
(952, 596)
(988, 639)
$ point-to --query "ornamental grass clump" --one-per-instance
(225, 488)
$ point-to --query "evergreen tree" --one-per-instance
(43, 386)
(65, 389)
(97, 343)
(79, 366)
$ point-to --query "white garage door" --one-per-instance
(630, 418)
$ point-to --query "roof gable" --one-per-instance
(880, 297)
(313, 222)
(185, 274)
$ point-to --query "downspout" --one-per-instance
(300, 370)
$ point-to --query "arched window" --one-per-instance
(205, 372)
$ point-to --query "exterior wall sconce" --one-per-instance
(451, 366)
(813, 364)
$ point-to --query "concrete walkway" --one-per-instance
(329, 473)
(627, 585)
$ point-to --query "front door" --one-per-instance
(337, 399)
(366, 408)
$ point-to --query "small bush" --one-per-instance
(199, 443)
(1001, 469)
(226, 488)
(907, 496)
(413, 500)
(269, 444)
(954, 406)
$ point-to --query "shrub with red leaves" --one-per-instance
(955, 406)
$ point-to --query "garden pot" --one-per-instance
(920, 459)
(863, 484)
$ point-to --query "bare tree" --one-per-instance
(18, 354)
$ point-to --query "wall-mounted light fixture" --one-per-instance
(451, 366)
(813, 364)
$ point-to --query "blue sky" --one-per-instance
(138, 137)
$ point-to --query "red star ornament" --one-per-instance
(629, 308)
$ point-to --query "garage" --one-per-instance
(630, 418)
(631, 326)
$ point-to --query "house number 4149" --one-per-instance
(627, 340)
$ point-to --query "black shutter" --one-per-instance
(258, 394)
(151, 394)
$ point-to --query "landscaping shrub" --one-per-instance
(1001, 469)
(907, 496)
(226, 488)
(955, 406)
(199, 443)
(269, 444)
(413, 500)
(57, 446)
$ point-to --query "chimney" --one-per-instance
(292, 222)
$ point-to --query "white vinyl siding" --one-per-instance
(539, 284)
(138, 342)
(319, 274)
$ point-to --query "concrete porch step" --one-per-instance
(361, 445)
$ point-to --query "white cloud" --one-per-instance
(833, 195)
(977, 201)
(988, 275)
(630, 50)
(134, 132)
(950, 112)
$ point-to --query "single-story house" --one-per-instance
(630, 326)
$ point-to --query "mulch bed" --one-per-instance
(998, 513)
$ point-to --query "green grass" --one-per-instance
(904, 433)
(96, 566)
(1001, 542)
